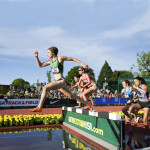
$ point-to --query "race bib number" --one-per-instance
(140, 95)
(126, 96)
(85, 81)
(55, 70)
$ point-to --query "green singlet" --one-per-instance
(56, 67)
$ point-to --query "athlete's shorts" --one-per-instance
(143, 104)
(93, 86)
(60, 79)
(62, 83)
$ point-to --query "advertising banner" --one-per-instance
(18, 102)
(35, 101)
(113, 100)
(108, 130)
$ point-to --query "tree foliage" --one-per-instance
(135, 70)
(143, 61)
(120, 74)
(70, 75)
(21, 83)
(105, 73)
(4, 89)
(48, 74)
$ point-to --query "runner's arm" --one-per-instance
(38, 61)
(119, 95)
(80, 81)
(64, 58)
(89, 81)
(142, 90)
(74, 86)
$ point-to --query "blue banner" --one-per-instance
(113, 100)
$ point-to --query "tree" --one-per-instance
(143, 61)
(74, 71)
(70, 76)
(4, 89)
(20, 83)
(49, 76)
(91, 73)
(120, 74)
(135, 70)
(105, 73)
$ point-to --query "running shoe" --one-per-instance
(137, 119)
(92, 103)
(37, 109)
(90, 106)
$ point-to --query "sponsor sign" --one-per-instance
(113, 100)
(105, 129)
(18, 102)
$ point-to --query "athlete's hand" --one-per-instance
(134, 86)
(129, 101)
(135, 99)
(36, 53)
(85, 66)
(116, 91)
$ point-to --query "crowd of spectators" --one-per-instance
(104, 93)
(53, 94)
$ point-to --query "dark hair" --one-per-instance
(142, 82)
(77, 76)
(127, 82)
(54, 50)
(141, 79)
(86, 70)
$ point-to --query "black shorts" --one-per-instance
(143, 104)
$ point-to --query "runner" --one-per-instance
(88, 84)
(142, 103)
(57, 68)
(127, 92)
(80, 89)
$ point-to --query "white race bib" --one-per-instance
(140, 95)
(126, 96)
(55, 70)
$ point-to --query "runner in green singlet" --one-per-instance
(57, 68)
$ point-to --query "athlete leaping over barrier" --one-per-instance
(57, 68)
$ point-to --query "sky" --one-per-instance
(93, 31)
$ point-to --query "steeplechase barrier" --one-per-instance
(104, 128)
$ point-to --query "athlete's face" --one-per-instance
(137, 82)
(76, 79)
(80, 71)
(49, 54)
(124, 84)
